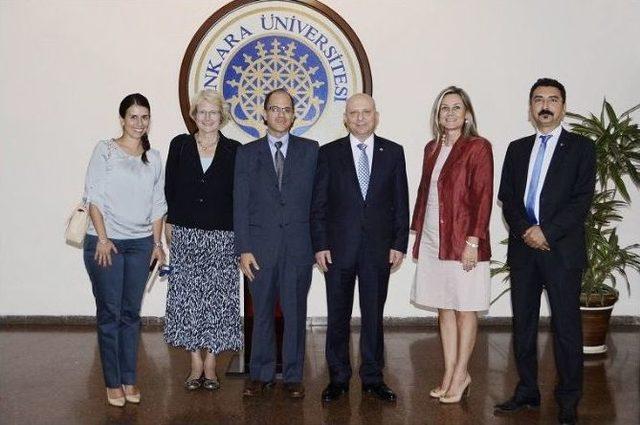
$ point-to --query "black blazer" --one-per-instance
(342, 222)
(565, 198)
(197, 199)
(269, 222)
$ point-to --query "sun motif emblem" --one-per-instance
(269, 63)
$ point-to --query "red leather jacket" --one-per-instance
(465, 191)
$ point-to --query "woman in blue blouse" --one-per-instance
(124, 190)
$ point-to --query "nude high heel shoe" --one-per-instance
(132, 398)
(457, 397)
(437, 392)
(116, 401)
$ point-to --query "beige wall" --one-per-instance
(67, 64)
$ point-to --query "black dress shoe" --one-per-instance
(294, 389)
(567, 416)
(515, 404)
(255, 388)
(334, 391)
(379, 390)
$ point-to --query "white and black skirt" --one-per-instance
(203, 305)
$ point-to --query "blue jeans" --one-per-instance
(118, 291)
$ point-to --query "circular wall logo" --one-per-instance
(248, 48)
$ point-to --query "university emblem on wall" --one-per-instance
(248, 48)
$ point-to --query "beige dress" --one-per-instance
(444, 284)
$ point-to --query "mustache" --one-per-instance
(545, 112)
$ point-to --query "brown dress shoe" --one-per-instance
(294, 389)
(255, 388)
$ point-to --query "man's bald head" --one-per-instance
(361, 116)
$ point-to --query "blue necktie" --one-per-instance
(363, 170)
(530, 205)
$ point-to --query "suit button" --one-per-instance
(441, 221)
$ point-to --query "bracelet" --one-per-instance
(158, 244)
(471, 244)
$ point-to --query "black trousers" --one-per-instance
(373, 282)
(545, 270)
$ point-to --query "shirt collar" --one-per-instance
(355, 141)
(555, 133)
(272, 140)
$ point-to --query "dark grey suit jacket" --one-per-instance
(565, 198)
(268, 221)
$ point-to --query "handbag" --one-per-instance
(77, 225)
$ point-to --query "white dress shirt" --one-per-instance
(548, 154)
(356, 150)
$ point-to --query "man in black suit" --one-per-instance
(546, 191)
(359, 228)
(272, 193)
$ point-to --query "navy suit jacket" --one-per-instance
(565, 198)
(268, 221)
(343, 222)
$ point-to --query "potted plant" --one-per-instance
(617, 141)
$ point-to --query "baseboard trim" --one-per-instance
(317, 321)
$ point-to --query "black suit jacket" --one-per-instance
(197, 199)
(268, 221)
(565, 198)
(342, 222)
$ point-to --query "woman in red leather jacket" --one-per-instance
(451, 221)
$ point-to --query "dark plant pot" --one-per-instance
(595, 321)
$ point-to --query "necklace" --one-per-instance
(205, 147)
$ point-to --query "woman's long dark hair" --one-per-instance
(140, 100)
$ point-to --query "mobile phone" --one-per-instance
(153, 264)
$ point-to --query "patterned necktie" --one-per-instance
(363, 170)
(532, 194)
(279, 160)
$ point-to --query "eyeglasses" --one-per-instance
(276, 110)
(208, 114)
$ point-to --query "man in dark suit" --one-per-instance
(546, 191)
(360, 228)
(272, 197)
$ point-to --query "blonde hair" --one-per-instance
(469, 128)
(214, 98)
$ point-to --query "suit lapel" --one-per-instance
(559, 155)
(266, 162)
(292, 158)
(377, 164)
(456, 152)
(523, 169)
(349, 166)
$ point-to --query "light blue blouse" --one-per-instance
(128, 193)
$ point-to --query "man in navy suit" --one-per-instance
(360, 228)
(546, 191)
(272, 193)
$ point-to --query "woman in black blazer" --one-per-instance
(203, 308)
